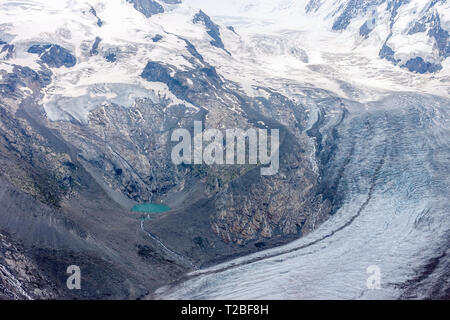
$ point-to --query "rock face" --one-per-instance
(65, 174)
(53, 55)
(20, 278)
(57, 169)
(121, 155)
(419, 65)
(423, 21)
(49, 199)
(237, 210)
(431, 24)
(147, 7)
(387, 199)
(234, 205)
(211, 28)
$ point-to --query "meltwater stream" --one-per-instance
(393, 157)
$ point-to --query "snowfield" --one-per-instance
(273, 44)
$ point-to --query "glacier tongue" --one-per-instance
(391, 134)
(394, 217)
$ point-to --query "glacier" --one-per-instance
(394, 216)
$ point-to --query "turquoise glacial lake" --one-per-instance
(150, 208)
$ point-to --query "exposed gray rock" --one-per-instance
(94, 49)
(147, 7)
(53, 55)
(211, 28)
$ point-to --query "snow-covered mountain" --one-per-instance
(91, 90)
(413, 34)
(335, 45)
